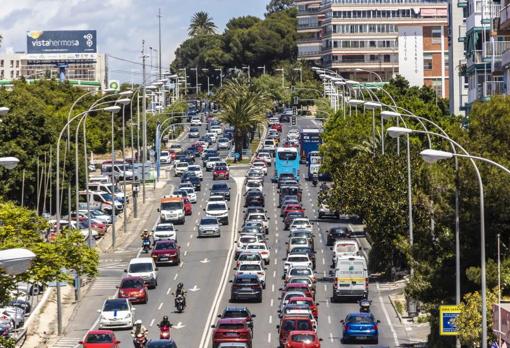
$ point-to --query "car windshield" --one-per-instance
(291, 325)
(194, 168)
(298, 259)
(219, 187)
(181, 165)
(249, 257)
(246, 280)
(115, 305)
(300, 281)
(255, 247)
(106, 196)
(235, 314)
(165, 228)
(253, 184)
(99, 338)
(220, 168)
(214, 159)
(361, 319)
(140, 267)
(132, 283)
(245, 240)
(216, 206)
(298, 241)
(231, 326)
(300, 271)
(249, 267)
(165, 246)
(346, 248)
(171, 206)
(303, 338)
(208, 221)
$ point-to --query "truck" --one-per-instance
(313, 164)
(171, 209)
(309, 140)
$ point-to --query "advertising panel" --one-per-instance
(62, 44)
(447, 315)
(410, 54)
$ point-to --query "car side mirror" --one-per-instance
(320, 339)
(203, 209)
(253, 315)
(219, 315)
(378, 321)
(342, 321)
(230, 281)
(125, 271)
(156, 269)
(81, 342)
(158, 210)
(213, 326)
(99, 311)
(278, 327)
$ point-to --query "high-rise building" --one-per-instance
(370, 39)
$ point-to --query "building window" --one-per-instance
(427, 61)
(437, 86)
(12, 64)
(436, 35)
(1, 63)
(446, 64)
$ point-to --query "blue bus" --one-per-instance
(286, 161)
(309, 140)
(313, 164)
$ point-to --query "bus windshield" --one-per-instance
(287, 156)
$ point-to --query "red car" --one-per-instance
(166, 251)
(221, 172)
(291, 207)
(301, 287)
(134, 289)
(188, 207)
(232, 331)
(277, 127)
(303, 339)
(100, 339)
(306, 300)
(291, 322)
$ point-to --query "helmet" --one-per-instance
(165, 317)
(138, 322)
(180, 285)
(146, 230)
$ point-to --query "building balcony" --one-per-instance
(494, 50)
(504, 17)
(315, 53)
(303, 26)
(505, 59)
(462, 33)
(476, 57)
(371, 50)
(493, 88)
(462, 3)
(483, 12)
(310, 11)
(329, 3)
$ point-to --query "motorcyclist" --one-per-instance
(145, 235)
(314, 180)
(138, 328)
(181, 292)
(165, 322)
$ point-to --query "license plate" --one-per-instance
(163, 259)
(362, 337)
(231, 334)
(245, 289)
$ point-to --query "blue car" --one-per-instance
(360, 327)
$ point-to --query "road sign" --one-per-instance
(447, 315)
(55, 284)
(114, 84)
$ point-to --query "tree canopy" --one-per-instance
(201, 24)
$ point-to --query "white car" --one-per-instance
(15, 314)
(249, 257)
(164, 157)
(144, 267)
(164, 231)
(217, 199)
(223, 144)
(211, 162)
(266, 157)
(216, 129)
(197, 170)
(180, 167)
(301, 272)
(196, 121)
(260, 165)
(251, 267)
(116, 313)
(297, 242)
(260, 248)
(244, 240)
(191, 194)
(218, 210)
(259, 217)
(300, 224)
(212, 135)
(269, 145)
(254, 184)
(177, 148)
(296, 260)
(287, 296)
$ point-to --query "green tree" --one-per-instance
(201, 24)
(278, 6)
(243, 107)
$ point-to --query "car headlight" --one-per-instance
(128, 316)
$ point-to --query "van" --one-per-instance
(143, 267)
(108, 187)
(101, 179)
(269, 145)
(345, 247)
(172, 210)
(102, 199)
(351, 278)
(119, 171)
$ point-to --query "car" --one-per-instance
(260, 248)
(231, 312)
(220, 172)
(291, 322)
(220, 188)
(345, 247)
(223, 144)
(261, 217)
(209, 227)
(116, 313)
(190, 193)
(218, 210)
(254, 185)
(248, 257)
(304, 250)
(15, 314)
(165, 157)
(194, 132)
(304, 288)
(134, 289)
(337, 233)
(299, 271)
(255, 268)
(259, 165)
(360, 327)
(255, 174)
(246, 287)
(303, 233)
(164, 230)
(245, 239)
(287, 199)
(217, 198)
(325, 211)
(297, 242)
(196, 121)
(191, 177)
(255, 209)
(22, 304)
(266, 157)
(177, 148)
(303, 339)
(161, 343)
(293, 260)
(100, 339)
(302, 280)
(197, 170)
(213, 136)
(166, 251)
(253, 227)
(284, 118)
(306, 301)
(300, 224)
(291, 207)
(188, 206)
(287, 221)
(231, 330)
(269, 145)
(180, 167)
(254, 198)
(144, 267)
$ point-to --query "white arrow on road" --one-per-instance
(178, 326)
(193, 289)
(206, 260)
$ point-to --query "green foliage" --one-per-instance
(201, 24)
(272, 87)
(473, 274)
(7, 342)
(278, 6)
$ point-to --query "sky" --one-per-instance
(121, 25)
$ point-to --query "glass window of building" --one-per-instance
(436, 35)
(427, 61)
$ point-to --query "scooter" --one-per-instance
(164, 332)
(364, 305)
(146, 245)
(140, 340)
(180, 303)
(315, 181)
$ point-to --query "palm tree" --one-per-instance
(201, 24)
(244, 108)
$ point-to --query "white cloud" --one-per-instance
(121, 24)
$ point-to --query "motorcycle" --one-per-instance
(164, 332)
(180, 303)
(315, 181)
(146, 245)
(140, 340)
(364, 306)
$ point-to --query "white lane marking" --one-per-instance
(395, 338)
(168, 291)
(269, 337)
(331, 337)
(272, 303)
(274, 274)
(329, 319)
(187, 244)
(152, 322)
(272, 287)
(185, 252)
(270, 319)
(175, 277)
(275, 261)
(323, 261)
(182, 264)
(160, 306)
(325, 287)
(190, 236)
(276, 251)
(327, 303)
(276, 234)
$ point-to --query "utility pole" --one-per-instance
(144, 123)
(196, 80)
(159, 27)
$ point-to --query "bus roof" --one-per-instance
(287, 149)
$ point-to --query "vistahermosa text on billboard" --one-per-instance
(61, 41)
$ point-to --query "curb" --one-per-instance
(395, 309)
(35, 312)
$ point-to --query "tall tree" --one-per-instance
(201, 24)
(278, 6)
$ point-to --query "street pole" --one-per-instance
(124, 167)
(410, 197)
(499, 291)
(159, 27)
(196, 80)
(113, 179)
(59, 310)
(144, 123)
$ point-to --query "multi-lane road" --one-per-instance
(207, 266)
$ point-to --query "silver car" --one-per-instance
(209, 227)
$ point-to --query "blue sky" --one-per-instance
(121, 24)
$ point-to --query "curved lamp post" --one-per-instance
(16, 261)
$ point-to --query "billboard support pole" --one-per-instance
(159, 50)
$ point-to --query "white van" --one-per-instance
(351, 278)
(107, 187)
(144, 267)
(101, 179)
(344, 248)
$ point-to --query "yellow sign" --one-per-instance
(447, 315)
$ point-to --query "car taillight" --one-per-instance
(260, 273)
(375, 327)
(347, 327)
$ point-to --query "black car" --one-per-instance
(336, 233)
(238, 312)
(254, 198)
(191, 177)
(168, 343)
(284, 118)
(221, 189)
(246, 287)
(255, 209)
(304, 250)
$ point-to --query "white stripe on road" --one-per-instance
(395, 338)
(160, 306)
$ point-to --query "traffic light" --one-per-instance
(296, 100)
(293, 120)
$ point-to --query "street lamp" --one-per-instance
(16, 261)
(196, 79)
(221, 75)
(370, 72)
(300, 74)
(283, 75)
(263, 68)
(3, 110)
(9, 162)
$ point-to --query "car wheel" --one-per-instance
(226, 223)
(266, 262)
(146, 300)
(259, 300)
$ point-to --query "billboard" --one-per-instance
(410, 54)
(62, 42)
(447, 315)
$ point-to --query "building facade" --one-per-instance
(371, 39)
